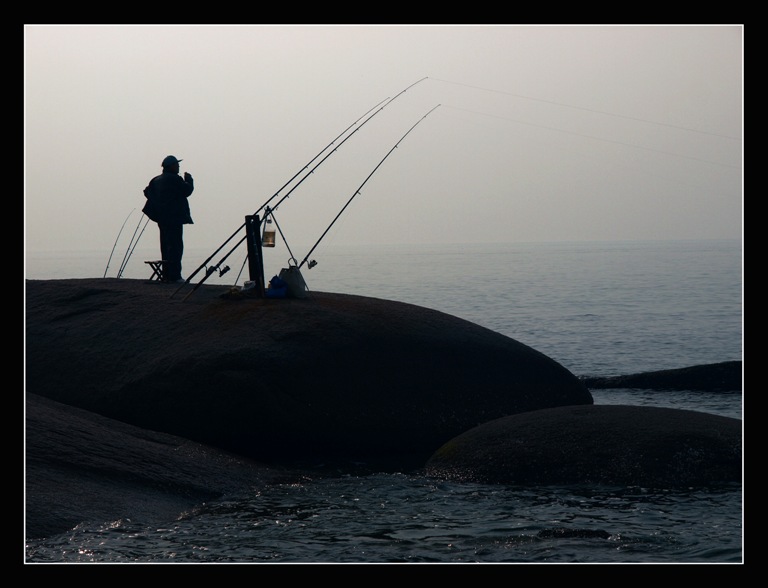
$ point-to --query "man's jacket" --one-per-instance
(166, 197)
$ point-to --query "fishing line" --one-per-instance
(381, 105)
(115, 245)
(313, 263)
(310, 172)
(650, 122)
(594, 138)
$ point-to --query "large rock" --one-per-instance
(611, 445)
(81, 467)
(726, 376)
(332, 376)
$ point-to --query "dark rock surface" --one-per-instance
(85, 468)
(606, 445)
(329, 376)
(726, 376)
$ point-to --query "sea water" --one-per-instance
(599, 309)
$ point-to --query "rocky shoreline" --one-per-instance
(127, 416)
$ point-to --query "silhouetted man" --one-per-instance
(168, 206)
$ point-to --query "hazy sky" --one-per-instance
(543, 133)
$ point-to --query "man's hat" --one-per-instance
(171, 161)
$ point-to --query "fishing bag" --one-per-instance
(297, 287)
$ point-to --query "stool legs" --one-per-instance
(157, 270)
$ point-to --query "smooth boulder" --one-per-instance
(330, 376)
(596, 445)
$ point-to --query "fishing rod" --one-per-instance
(240, 228)
(129, 251)
(116, 240)
(209, 271)
(389, 101)
(125, 257)
(313, 263)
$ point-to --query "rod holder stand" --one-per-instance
(255, 259)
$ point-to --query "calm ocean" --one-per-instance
(598, 308)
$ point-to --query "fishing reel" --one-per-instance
(210, 270)
(311, 264)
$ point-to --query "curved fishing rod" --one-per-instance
(116, 240)
(314, 263)
(125, 257)
(130, 250)
(388, 102)
(209, 271)
(240, 228)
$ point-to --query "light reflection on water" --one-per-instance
(398, 518)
